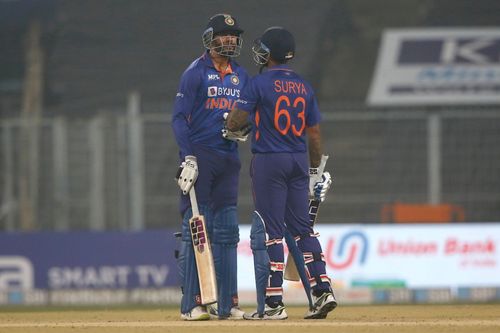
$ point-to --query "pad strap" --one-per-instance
(310, 257)
(274, 241)
(274, 291)
(313, 235)
(277, 266)
(314, 280)
(313, 256)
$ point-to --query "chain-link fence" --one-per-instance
(116, 171)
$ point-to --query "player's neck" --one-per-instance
(220, 62)
(271, 63)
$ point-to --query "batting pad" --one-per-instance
(261, 260)
(224, 247)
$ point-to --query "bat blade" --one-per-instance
(291, 273)
(204, 260)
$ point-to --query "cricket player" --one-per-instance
(283, 110)
(208, 90)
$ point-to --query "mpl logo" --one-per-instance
(351, 248)
(16, 273)
(450, 50)
(212, 77)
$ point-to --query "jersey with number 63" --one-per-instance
(281, 105)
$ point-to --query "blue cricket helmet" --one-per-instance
(220, 25)
(277, 43)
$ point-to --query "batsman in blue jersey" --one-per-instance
(208, 90)
(283, 110)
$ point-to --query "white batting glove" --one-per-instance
(321, 188)
(187, 173)
(238, 136)
(318, 184)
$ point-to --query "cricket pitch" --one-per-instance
(346, 319)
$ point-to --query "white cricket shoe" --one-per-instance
(277, 313)
(322, 305)
(235, 314)
(197, 313)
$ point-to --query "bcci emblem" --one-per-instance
(229, 20)
(235, 80)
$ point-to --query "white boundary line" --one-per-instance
(289, 323)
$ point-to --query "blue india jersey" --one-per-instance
(281, 105)
(204, 95)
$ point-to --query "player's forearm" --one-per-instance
(314, 138)
(183, 106)
(236, 119)
(181, 133)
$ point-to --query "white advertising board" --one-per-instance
(437, 66)
(411, 256)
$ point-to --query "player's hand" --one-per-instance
(319, 184)
(322, 187)
(187, 174)
(239, 136)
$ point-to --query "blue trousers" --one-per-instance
(280, 184)
(217, 184)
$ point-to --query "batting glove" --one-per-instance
(319, 184)
(187, 174)
(240, 135)
(321, 188)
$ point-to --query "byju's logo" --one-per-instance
(212, 91)
(450, 50)
(352, 247)
(16, 273)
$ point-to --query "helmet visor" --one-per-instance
(227, 44)
(260, 52)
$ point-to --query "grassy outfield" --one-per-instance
(346, 319)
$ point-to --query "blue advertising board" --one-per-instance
(88, 260)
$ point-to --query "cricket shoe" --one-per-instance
(270, 313)
(235, 314)
(197, 313)
(323, 304)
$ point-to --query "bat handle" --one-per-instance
(194, 202)
(322, 164)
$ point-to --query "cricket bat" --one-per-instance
(291, 273)
(203, 254)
